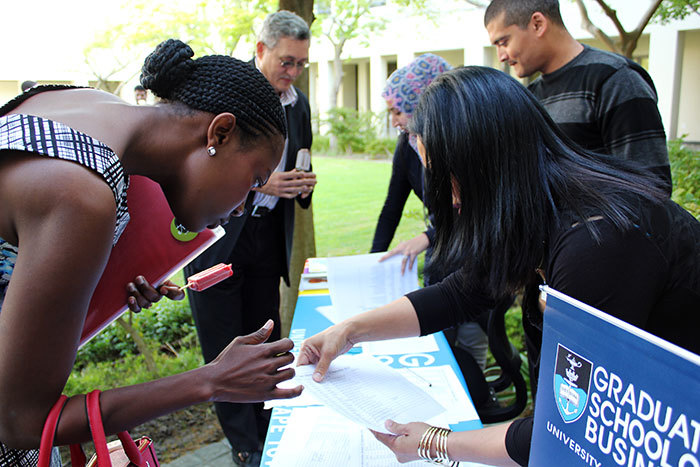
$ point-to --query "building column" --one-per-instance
(377, 81)
(404, 57)
(363, 91)
(313, 84)
(475, 54)
(665, 64)
(475, 43)
(324, 83)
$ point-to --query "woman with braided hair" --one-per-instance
(66, 155)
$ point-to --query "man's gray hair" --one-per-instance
(281, 24)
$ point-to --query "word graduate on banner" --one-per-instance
(610, 394)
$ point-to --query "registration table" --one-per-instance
(309, 319)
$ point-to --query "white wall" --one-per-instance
(8, 90)
(671, 53)
(689, 106)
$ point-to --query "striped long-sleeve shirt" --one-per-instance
(607, 103)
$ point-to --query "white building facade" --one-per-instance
(671, 54)
(454, 30)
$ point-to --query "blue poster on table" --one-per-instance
(610, 394)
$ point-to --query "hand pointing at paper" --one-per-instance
(323, 348)
(397, 319)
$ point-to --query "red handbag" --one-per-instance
(119, 453)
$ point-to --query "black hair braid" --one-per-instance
(222, 79)
(169, 64)
(216, 84)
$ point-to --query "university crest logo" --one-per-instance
(572, 378)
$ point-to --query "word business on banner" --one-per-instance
(610, 394)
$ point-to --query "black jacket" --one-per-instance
(407, 174)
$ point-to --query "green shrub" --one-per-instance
(320, 144)
(165, 322)
(129, 370)
(355, 132)
(111, 343)
(685, 171)
(380, 147)
(349, 127)
(514, 326)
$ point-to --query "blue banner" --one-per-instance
(610, 394)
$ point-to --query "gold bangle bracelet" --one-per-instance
(441, 455)
(429, 442)
(441, 446)
(425, 442)
(440, 436)
(421, 443)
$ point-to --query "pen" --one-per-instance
(430, 385)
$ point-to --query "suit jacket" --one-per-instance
(299, 134)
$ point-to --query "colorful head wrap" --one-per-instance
(405, 85)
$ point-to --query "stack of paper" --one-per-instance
(361, 283)
(320, 437)
(369, 392)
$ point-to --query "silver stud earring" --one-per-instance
(211, 150)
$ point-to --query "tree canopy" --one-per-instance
(676, 9)
(208, 26)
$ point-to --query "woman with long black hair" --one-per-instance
(532, 208)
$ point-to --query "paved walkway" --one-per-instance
(212, 455)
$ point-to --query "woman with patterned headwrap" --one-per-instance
(402, 93)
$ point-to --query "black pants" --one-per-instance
(238, 306)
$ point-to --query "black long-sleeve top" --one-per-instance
(648, 276)
(407, 174)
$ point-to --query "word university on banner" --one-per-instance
(611, 394)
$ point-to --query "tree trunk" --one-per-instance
(140, 342)
(627, 42)
(335, 90)
(337, 74)
(303, 8)
(304, 243)
(304, 246)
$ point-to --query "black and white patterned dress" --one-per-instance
(52, 139)
(45, 137)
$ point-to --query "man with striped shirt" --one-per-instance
(604, 102)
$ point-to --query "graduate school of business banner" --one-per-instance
(610, 394)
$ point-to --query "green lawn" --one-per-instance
(347, 202)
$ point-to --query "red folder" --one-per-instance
(146, 247)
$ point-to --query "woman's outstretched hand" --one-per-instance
(322, 348)
(142, 294)
(410, 249)
(249, 369)
(403, 439)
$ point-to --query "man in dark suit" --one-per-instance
(259, 244)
